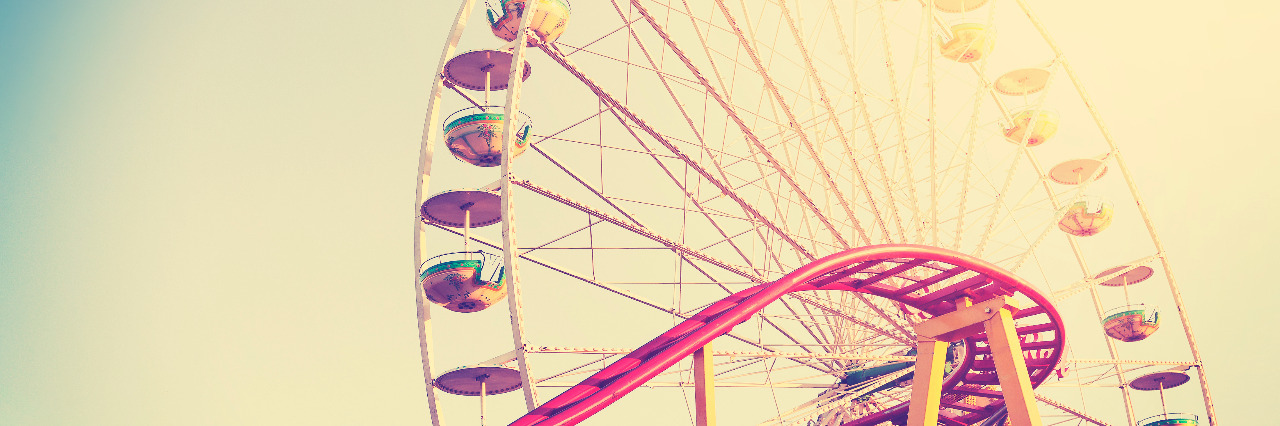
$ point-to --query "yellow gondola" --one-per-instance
(1044, 127)
(969, 43)
(549, 20)
(1086, 217)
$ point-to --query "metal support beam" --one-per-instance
(926, 387)
(704, 393)
(641, 231)
(1011, 369)
(1142, 210)
(509, 247)
(723, 187)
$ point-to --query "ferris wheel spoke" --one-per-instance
(816, 333)
(1000, 197)
(1031, 249)
(867, 125)
(624, 26)
(684, 189)
(833, 119)
(746, 131)
(582, 182)
(827, 310)
(1073, 412)
(900, 120)
(621, 292)
(619, 107)
(872, 309)
(827, 322)
(668, 172)
(546, 264)
(965, 183)
(794, 124)
(640, 230)
(775, 196)
(581, 369)
(711, 153)
(652, 67)
(931, 80)
(706, 212)
(828, 367)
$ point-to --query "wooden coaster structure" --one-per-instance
(994, 317)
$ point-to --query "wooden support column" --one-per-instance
(926, 386)
(1011, 368)
(704, 387)
(995, 317)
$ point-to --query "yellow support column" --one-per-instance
(704, 387)
(926, 386)
(995, 316)
(1011, 368)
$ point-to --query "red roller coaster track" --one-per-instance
(864, 270)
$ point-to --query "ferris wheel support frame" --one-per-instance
(429, 133)
(825, 99)
(742, 38)
(506, 182)
(618, 107)
(747, 132)
(750, 135)
(509, 248)
(792, 122)
(1053, 198)
(1142, 209)
(859, 96)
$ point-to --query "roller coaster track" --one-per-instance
(937, 279)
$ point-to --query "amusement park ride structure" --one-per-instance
(869, 213)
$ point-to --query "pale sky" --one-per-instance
(202, 204)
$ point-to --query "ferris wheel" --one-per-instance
(667, 161)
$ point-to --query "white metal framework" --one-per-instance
(687, 149)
